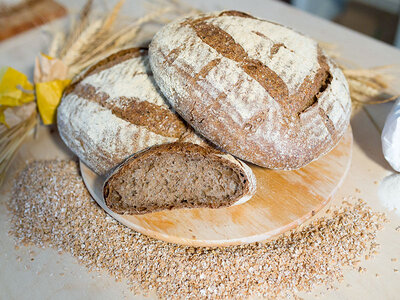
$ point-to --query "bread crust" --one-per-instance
(107, 115)
(258, 90)
(189, 149)
(104, 126)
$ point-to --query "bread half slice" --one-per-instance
(178, 175)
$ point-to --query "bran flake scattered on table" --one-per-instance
(50, 207)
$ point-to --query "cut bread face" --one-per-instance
(178, 175)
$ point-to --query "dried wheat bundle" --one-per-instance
(91, 37)
(12, 139)
(370, 86)
(367, 85)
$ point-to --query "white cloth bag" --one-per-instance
(391, 137)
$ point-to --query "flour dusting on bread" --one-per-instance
(257, 89)
(115, 119)
(91, 129)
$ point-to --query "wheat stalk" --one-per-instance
(101, 38)
(89, 40)
(84, 41)
(11, 140)
(127, 33)
(369, 86)
(56, 43)
(179, 8)
(110, 40)
(78, 27)
(104, 51)
(110, 19)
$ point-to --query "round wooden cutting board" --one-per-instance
(284, 200)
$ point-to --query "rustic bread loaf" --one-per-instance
(178, 175)
(114, 110)
(258, 90)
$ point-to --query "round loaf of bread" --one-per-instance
(258, 90)
(114, 111)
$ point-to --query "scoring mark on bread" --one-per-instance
(327, 122)
(207, 68)
(226, 46)
(306, 95)
(275, 47)
(311, 90)
(172, 55)
(235, 13)
(142, 113)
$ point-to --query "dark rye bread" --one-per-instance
(258, 90)
(176, 175)
(114, 110)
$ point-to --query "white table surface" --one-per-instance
(40, 279)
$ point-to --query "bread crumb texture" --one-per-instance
(50, 207)
(175, 176)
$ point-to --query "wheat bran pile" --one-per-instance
(50, 207)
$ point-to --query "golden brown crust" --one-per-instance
(236, 14)
(115, 59)
(189, 149)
